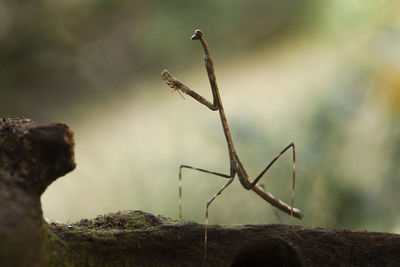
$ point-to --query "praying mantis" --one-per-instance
(236, 166)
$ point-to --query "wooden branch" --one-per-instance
(136, 238)
(33, 156)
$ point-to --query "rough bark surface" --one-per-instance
(32, 156)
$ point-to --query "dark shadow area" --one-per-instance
(275, 252)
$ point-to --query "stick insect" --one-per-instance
(236, 167)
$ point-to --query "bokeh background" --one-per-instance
(324, 74)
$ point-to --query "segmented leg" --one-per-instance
(180, 87)
(230, 177)
(208, 204)
(196, 169)
(252, 186)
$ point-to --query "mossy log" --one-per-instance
(32, 156)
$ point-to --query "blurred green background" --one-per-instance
(324, 74)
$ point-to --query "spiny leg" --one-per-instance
(172, 82)
(196, 169)
(208, 204)
(291, 145)
(180, 87)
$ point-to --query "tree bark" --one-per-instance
(33, 156)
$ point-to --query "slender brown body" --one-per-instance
(236, 167)
(235, 163)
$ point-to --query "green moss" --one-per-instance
(52, 244)
(60, 253)
(123, 220)
(119, 239)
